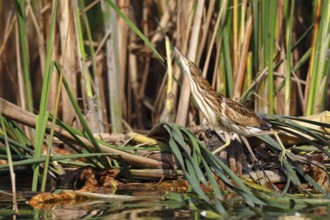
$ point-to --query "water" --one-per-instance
(152, 209)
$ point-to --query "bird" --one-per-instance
(221, 113)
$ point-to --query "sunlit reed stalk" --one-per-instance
(167, 114)
(182, 112)
(240, 75)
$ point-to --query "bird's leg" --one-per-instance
(205, 124)
(227, 141)
(283, 149)
(246, 142)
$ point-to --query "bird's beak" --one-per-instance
(183, 61)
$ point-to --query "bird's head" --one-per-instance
(189, 67)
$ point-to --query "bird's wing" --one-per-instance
(243, 116)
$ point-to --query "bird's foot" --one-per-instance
(283, 149)
(227, 142)
(282, 155)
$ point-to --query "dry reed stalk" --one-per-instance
(211, 43)
(242, 29)
(113, 70)
(183, 21)
(159, 101)
(241, 69)
(8, 30)
(206, 30)
(217, 68)
(18, 114)
(313, 46)
(193, 42)
(167, 113)
(123, 32)
(21, 88)
(133, 85)
(175, 19)
(280, 96)
(142, 90)
(132, 71)
(69, 60)
(164, 20)
(183, 27)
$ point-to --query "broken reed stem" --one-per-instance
(20, 115)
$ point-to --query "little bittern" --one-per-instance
(220, 111)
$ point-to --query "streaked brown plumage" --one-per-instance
(220, 111)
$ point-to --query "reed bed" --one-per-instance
(105, 66)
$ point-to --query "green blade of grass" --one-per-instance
(42, 118)
(192, 180)
(21, 18)
(271, 29)
(10, 164)
(82, 52)
(42, 159)
(288, 39)
(82, 120)
(41, 125)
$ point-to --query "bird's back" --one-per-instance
(238, 118)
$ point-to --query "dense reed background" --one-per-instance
(271, 55)
(114, 59)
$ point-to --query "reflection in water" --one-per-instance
(153, 205)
